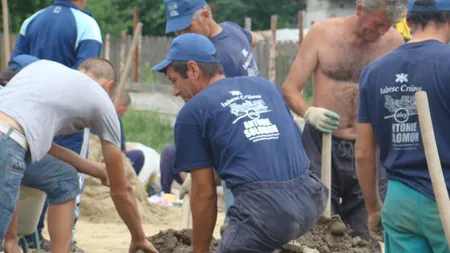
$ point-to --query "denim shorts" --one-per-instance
(58, 179)
(267, 215)
(12, 169)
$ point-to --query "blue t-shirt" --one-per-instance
(65, 34)
(234, 46)
(243, 129)
(387, 101)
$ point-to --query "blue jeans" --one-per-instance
(229, 199)
(411, 222)
(267, 215)
(12, 169)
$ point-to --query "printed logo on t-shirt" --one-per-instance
(401, 105)
(252, 109)
(250, 63)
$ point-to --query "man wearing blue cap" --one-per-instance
(240, 127)
(232, 42)
(388, 118)
(65, 33)
(31, 100)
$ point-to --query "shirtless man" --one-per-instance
(334, 52)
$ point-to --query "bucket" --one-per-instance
(31, 203)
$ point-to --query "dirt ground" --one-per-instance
(100, 228)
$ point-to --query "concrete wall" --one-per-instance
(317, 10)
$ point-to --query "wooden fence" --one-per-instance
(154, 49)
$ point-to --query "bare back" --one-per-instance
(338, 69)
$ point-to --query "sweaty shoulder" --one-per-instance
(321, 30)
(392, 39)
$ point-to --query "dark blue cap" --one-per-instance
(189, 47)
(179, 13)
(439, 5)
(21, 61)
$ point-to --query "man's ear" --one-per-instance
(359, 9)
(193, 70)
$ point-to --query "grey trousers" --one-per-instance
(267, 215)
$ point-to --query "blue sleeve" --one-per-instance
(193, 150)
(248, 34)
(87, 49)
(89, 41)
(20, 47)
(363, 106)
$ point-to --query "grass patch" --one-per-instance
(148, 127)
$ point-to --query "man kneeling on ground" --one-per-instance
(243, 129)
(34, 109)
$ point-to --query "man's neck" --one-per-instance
(215, 29)
(215, 78)
(430, 32)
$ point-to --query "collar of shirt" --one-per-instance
(71, 5)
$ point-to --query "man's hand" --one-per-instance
(143, 245)
(375, 226)
(322, 119)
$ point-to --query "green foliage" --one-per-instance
(148, 127)
(116, 15)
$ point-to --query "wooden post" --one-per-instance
(6, 41)
(433, 161)
(137, 60)
(108, 46)
(123, 49)
(126, 70)
(273, 49)
(248, 23)
(300, 27)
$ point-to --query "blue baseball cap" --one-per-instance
(21, 61)
(189, 47)
(439, 5)
(179, 13)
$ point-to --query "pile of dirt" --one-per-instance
(98, 207)
(332, 235)
(176, 241)
(329, 235)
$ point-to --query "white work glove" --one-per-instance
(186, 186)
(322, 119)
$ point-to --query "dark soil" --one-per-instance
(176, 241)
(332, 236)
(327, 236)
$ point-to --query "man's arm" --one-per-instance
(83, 165)
(204, 208)
(121, 191)
(89, 42)
(302, 68)
(366, 167)
(20, 47)
(254, 39)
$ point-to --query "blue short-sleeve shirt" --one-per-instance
(387, 101)
(234, 46)
(243, 129)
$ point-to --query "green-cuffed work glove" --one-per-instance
(322, 119)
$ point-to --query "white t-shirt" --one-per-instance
(49, 100)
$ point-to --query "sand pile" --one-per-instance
(327, 236)
(98, 207)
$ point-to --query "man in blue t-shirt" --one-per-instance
(240, 127)
(388, 118)
(233, 43)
